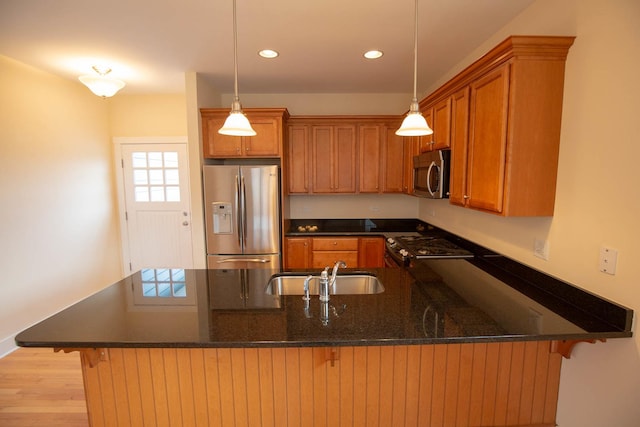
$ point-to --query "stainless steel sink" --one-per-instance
(347, 284)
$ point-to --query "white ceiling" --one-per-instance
(150, 44)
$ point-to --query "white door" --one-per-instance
(155, 183)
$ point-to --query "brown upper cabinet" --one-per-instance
(267, 122)
(297, 159)
(333, 159)
(425, 143)
(381, 159)
(438, 117)
(345, 154)
(505, 116)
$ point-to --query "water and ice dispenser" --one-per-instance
(222, 218)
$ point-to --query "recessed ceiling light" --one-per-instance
(268, 53)
(373, 54)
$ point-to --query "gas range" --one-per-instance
(405, 248)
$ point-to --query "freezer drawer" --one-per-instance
(228, 262)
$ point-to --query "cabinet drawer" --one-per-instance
(338, 244)
(321, 259)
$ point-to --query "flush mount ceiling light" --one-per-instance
(268, 53)
(237, 123)
(414, 124)
(101, 84)
(373, 54)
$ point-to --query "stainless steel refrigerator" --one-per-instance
(242, 207)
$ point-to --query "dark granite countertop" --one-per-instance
(438, 301)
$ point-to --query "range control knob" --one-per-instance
(404, 252)
(391, 241)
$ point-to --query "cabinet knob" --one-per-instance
(465, 197)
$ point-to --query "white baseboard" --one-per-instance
(8, 346)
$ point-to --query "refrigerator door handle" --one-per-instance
(243, 197)
(256, 260)
(238, 211)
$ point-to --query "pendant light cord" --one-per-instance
(415, 55)
(235, 53)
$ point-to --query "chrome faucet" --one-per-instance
(306, 298)
(323, 290)
(337, 265)
(326, 282)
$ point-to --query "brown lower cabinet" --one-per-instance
(468, 384)
(319, 252)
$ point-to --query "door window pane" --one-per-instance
(156, 176)
(170, 159)
(142, 194)
(157, 194)
(139, 160)
(171, 176)
(140, 177)
(155, 159)
(173, 194)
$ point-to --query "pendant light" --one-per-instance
(237, 123)
(100, 83)
(414, 124)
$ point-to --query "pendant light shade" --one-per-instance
(237, 123)
(101, 84)
(414, 124)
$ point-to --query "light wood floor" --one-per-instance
(41, 388)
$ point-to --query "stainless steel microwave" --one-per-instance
(431, 174)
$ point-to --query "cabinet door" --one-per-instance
(267, 141)
(393, 157)
(298, 161)
(344, 159)
(371, 252)
(369, 138)
(218, 145)
(321, 159)
(442, 124)
(298, 252)
(459, 140)
(488, 140)
(410, 149)
(425, 143)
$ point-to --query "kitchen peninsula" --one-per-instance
(474, 341)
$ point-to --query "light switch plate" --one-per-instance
(608, 260)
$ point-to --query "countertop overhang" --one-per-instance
(485, 299)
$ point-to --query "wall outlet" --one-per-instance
(608, 260)
(541, 249)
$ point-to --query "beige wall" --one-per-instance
(58, 220)
(299, 104)
(596, 200)
(148, 115)
(354, 206)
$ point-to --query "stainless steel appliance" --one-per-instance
(242, 216)
(431, 174)
(405, 249)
